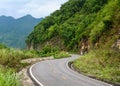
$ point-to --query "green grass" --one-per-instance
(61, 54)
(8, 78)
(103, 64)
(10, 59)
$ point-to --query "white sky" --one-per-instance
(36, 8)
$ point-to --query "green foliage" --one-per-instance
(103, 21)
(53, 51)
(97, 21)
(48, 51)
(61, 54)
(8, 78)
(11, 57)
(10, 62)
(75, 20)
(2, 46)
(104, 64)
(93, 6)
(49, 26)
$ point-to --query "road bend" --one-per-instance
(57, 73)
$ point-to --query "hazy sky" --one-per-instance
(37, 8)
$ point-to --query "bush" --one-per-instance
(30, 53)
(12, 57)
(61, 55)
(52, 51)
(7, 58)
(48, 51)
(2, 46)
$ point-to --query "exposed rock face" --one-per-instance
(30, 47)
(84, 47)
(116, 44)
(56, 41)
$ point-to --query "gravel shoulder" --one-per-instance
(24, 76)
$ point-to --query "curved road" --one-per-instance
(57, 73)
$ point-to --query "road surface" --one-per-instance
(57, 73)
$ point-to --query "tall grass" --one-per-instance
(10, 59)
(61, 54)
(103, 64)
(8, 78)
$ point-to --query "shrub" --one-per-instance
(2, 46)
(12, 57)
(48, 51)
(61, 55)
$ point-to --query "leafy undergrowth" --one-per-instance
(53, 51)
(10, 61)
(10, 64)
(8, 78)
(103, 64)
(11, 57)
(61, 54)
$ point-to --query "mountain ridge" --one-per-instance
(14, 31)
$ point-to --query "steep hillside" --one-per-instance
(79, 23)
(13, 32)
(82, 26)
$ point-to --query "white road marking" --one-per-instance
(30, 70)
(75, 73)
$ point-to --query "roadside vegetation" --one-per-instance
(10, 61)
(84, 23)
(77, 20)
(90, 22)
(53, 51)
(8, 77)
(10, 64)
(103, 64)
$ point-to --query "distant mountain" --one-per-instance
(13, 32)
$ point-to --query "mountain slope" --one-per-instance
(79, 23)
(13, 32)
(82, 26)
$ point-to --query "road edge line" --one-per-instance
(68, 67)
(33, 77)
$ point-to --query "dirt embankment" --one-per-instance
(24, 76)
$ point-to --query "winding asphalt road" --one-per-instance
(57, 73)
